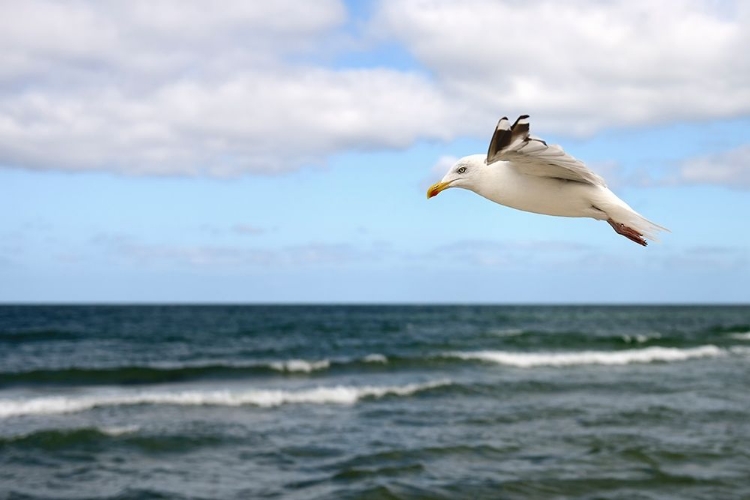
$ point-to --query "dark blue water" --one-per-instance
(374, 402)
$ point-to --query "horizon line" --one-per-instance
(366, 303)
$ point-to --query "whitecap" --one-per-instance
(646, 355)
(266, 398)
(741, 336)
(119, 430)
(640, 338)
(300, 365)
(375, 358)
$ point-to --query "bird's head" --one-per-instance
(464, 174)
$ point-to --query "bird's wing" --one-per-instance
(532, 156)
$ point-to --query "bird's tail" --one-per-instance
(634, 221)
(626, 221)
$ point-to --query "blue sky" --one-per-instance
(173, 152)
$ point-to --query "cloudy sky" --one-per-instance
(280, 151)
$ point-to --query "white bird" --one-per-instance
(523, 172)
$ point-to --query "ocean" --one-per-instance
(374, 402)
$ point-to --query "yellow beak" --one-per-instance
(436, 188)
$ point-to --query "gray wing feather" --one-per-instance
(532, 156)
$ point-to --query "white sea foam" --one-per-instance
(375, 358)
(640, 338)
(646, 355)
(119, 430)
(300, 365)
(741, 336)
(344, 395)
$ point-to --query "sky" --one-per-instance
(279, 152)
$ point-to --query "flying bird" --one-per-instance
(525, 173)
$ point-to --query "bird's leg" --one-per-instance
(628, 232)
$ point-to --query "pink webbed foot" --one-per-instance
(628, 232)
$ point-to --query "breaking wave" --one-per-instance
(646, 355)
(300, 365)
(303, 366)
(189, 371)
(343, 395)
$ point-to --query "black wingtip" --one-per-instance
(505, 135)
(522, 120)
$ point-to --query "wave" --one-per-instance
(375, 358)
(573, 340)
(507, 332)
(265, 398)
(125, 375)
(741, 336)
(119, 430)
(131, 375)
(646, 355)
(147, 375)
(103, 439)
(52, 439)
(303, 366)
(731, 329)
(640, 338)
(300, 365)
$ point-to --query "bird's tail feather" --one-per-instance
(634, 220)
(621, 213)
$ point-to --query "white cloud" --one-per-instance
(582, 65)
(130, 250)
(185, 88)
(556, 256)
(182, 87)
(262, 122)
(712, 258)
(143, 41)
(729, 168)
(248, 229)
(512, 254)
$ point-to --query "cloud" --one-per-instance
(509, 254)
(559, 256)
(728, 168)
(240, 228)
(464, 254)
(247, 229)
(262, 123)
(128, 249)
(582, 65)
(181, 88)
(708, 258)
(94, 42)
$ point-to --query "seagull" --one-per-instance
(523, 172)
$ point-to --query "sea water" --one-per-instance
(374, 402)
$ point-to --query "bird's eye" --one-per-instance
(461, 170)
